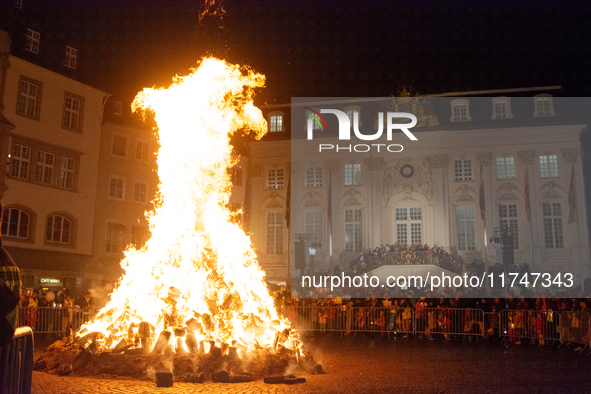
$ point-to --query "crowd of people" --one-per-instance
(414, 254)
(516, 319)
(38, 309)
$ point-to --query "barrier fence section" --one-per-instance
(449, 321)
(567, 327)
(16, 363)
(427, 321)
(55, 320)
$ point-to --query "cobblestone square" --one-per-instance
(368, 364)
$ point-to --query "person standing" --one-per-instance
(10, 293)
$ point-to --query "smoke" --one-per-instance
(100, 295)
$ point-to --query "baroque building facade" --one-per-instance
(522, 155)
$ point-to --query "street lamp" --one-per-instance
(312, 252)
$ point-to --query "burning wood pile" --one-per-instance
(193, 300)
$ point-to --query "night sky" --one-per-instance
(334, 47)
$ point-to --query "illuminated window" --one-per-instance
(353, 111)
(276, 123)
(548, 166)
(465, 227)
(314, 225)
(352, 174)
(275, 232)
(505, 168)
(275, 178)
(409, 226)
(460, 111)
(314, 176)
(508, 221)
(463, 170)
(543, 106)
(553, 237)
(502, 108)
(353, 230)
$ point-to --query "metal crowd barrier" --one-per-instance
(16, 363)
(574, 329)
(428, 321)
(449, 321)
(538, 326)
(55, 320)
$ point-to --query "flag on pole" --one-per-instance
(572, 198)
(329, 215)
(481, 194)
(527, 206)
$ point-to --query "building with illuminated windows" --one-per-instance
(430, 192)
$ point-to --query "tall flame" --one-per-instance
(197, 264)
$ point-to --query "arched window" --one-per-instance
(58, 229)
(15, 223)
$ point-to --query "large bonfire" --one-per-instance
(195, 288)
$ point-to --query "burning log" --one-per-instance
(192, 324)
(121, 346)
(179, 333)
(80, 342)
(191, 342)
(207, 323)
(130, 332)
(212, 305)
(224, 348)
(144, 332)
(215, 351)
(162, 342)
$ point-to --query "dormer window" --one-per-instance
(501, 107)
(71, 57)
(276, 122)
(117, 108)
(353, 111)
(543, 106)
(460, 111)
(33, 38)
